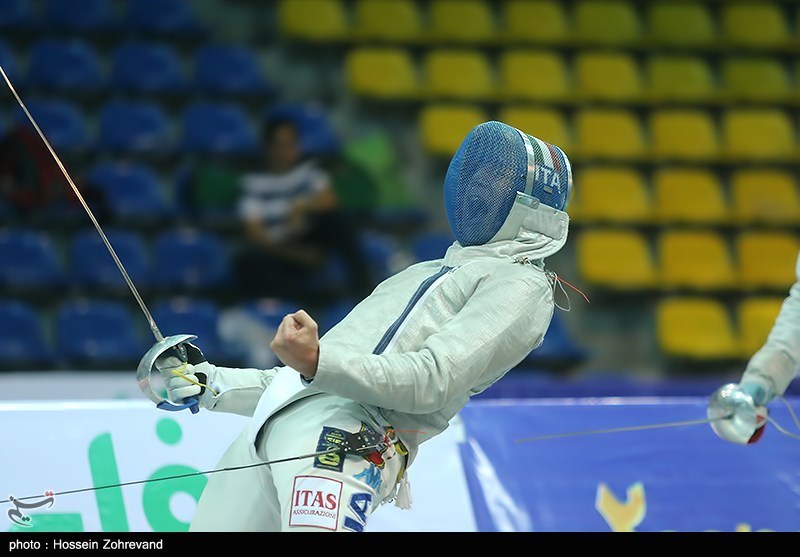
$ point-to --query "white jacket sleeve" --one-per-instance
(775, 364)
(238, 390)
(497, 327)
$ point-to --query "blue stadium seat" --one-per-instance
(317, 136)
(79, 16)
(102, 331)
(61, 121)
(191, 259)
(142, 67)
(65, 65)
(92, 266)
(28, 260)
(224, 69)
(429, 246)
(131, 191)
(379, 252)
(182, 315)
(17, 15)
(558, 348)
(134, 127)
(218, 129)
(22, 338)
(163, 17)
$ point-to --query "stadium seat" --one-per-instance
(175, 18)
(606, 22)
(132, 191)
(17, 15)
(550, 17)
(683, 134)
(683, 24)
(767, 259)
(548, 124)
(189, 259)
(317, 135)
(755, 317)
(689, 196)
(754, 25)
(65, 65)
(607, 76)
(380, 251)
(533, 75)
(755, 79)
(98, 332)
(608, 133)
(79, 16)
(758, 134)
(443, 127)
(142, 67)
(679, 78)
(387, 20)
(23, 342)
(217, 128)
(330, 21)
(382, 73)
(134, 127)
(695, 260)
(765, 196)
(229, 70)
(460, 21)
(620, 260)
(183, 315)
(91, 265)
(695, 328)
(611, 195)
(429, 246)
(455, 74)
(28, 260)
(61, 121)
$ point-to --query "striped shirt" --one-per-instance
(269, 198)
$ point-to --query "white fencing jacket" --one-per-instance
(414, 351)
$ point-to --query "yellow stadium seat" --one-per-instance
(548, 124)
(607, 76)
(382, 73)
(533, 21)
(533, 75)
(611, 195)
(765, 196)
(689, 196)
(444, 126)
(754, 24)
(759, 79)
(615, 259)
(313, 20)
(683, 134)
(612, 133)
(696, 329)
(606, 22)
(755, 318)
(758, 134)
(685, 24)
(767, 259)
(460, 21)
(683, 78)
(458, 75)
(387, 20)
(695, 260)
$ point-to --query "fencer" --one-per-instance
(766, 376)
(402, 363)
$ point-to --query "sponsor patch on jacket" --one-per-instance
(330, 438)
(315, 502)
(371, 475)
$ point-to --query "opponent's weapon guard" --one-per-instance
(147, 364)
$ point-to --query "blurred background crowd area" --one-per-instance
(680, 118)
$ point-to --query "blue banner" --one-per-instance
(682, 479)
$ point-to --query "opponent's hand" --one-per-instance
(183, 379)
(737, 418)
(297, 343)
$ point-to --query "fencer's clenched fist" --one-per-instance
(297, 343)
